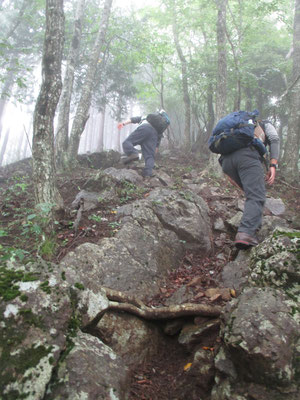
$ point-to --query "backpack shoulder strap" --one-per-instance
(259, 131)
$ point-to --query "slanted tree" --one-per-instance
(4, 146)
(19, 50)
(62, 131)
(292, 145)
(221, 91)
(45, 189)
(83, 107)
(184, 74)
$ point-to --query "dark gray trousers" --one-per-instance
(244, 166)
(145, 136)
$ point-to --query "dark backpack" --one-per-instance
(235, 131)
(160, 121)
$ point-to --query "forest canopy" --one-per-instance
(197, 59)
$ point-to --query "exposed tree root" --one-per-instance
(119, 301)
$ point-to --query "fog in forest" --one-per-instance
(16, 132)
(198, 60)
(100, 133)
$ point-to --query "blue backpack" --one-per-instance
(235, 131)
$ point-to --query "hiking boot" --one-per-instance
(131, 157)
(243, 241)
(148, 181)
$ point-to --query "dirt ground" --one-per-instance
(19, 234)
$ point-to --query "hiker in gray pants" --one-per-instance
(244, 166)
(245, 169)
(148, 135)
(145, 136)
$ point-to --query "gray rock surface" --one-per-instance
(130, 337)
(261, 327)
(275, 206)
(91, 370)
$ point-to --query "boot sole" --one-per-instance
(243, 245)
(129, 161)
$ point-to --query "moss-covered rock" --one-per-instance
(261, 328)
(34, 319)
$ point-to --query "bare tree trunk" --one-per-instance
(85, 101)
(10, 77)
(6, 90)
(3, 148)
(27, 145)
(200, 145)
(91, 131)
(100, 140)
(236, 51)
(62, 132)
(18, 19)
(248, 99)
(221, 93)
(185, 86)
(43, 135)
(20, 146)
(292, 145)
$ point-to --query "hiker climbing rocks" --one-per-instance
(148, 135)
(244, 167)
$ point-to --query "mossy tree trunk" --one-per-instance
(43, 132)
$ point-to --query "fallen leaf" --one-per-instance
(226, 295)
(233, 292)
(199, 295)
(211, 292)
(215, 297)
(144, 382)
(208, 348)
(195, 281)
(187, 366)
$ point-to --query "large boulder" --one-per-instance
(182, 212)
(99, 160)
(133, 261)
(132, 338)
(121, 175)
(235, 274)
(91, 370)
(261, 335)
(275, 263)
(261, 328)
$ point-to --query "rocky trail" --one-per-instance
(173, 371)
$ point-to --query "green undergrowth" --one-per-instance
(9, 288)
